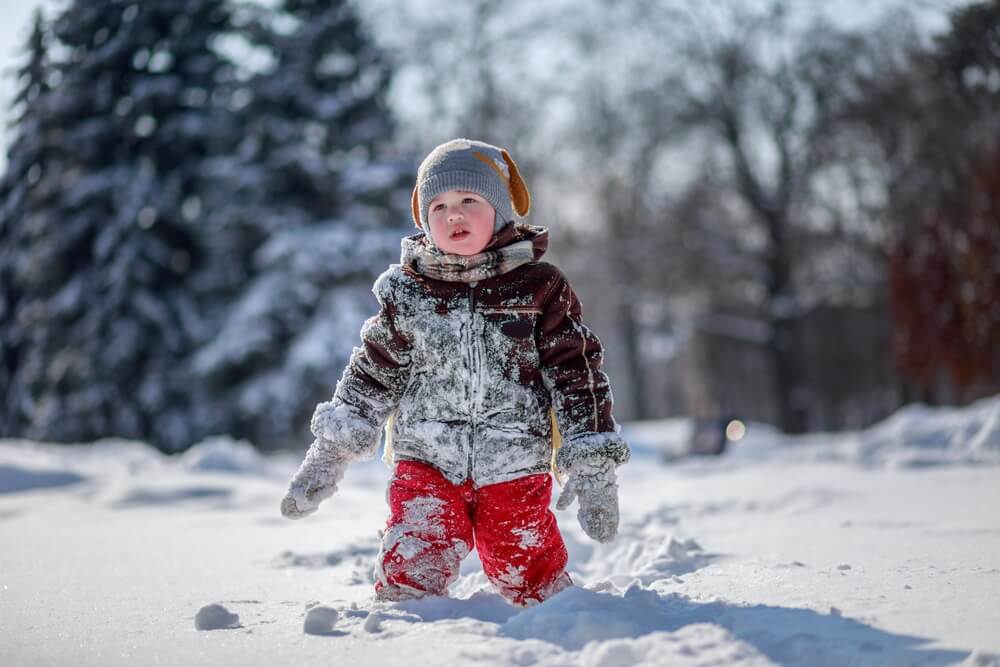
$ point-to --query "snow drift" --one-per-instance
(868, 548)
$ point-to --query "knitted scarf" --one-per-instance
(525, 245)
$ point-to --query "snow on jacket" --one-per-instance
(471, 370)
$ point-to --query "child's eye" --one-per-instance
(437, 207)
(470, 200)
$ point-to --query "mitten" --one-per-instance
(315, 481)
(592, 482)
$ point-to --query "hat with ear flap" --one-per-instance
(471, 166)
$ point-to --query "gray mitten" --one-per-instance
(315, 481)
(592, 481)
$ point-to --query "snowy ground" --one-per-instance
(875, 548)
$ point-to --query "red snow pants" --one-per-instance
(434, 524)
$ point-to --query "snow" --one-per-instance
(320, 621)
(223, 454)
(870, 548)
(215, 617)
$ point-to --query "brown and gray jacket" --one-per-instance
(472, 368)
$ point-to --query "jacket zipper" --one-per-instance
(473, 372)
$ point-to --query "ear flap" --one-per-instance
(518, 189)
(416, 208)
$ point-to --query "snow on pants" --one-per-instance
(434, 524)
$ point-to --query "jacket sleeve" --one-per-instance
(370, 388)
(571, 357)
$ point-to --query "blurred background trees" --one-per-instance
(99, 251)
(943, 263)
(768, 211)
(306, 209)
(186, 236)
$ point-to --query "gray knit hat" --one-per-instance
(473, 166)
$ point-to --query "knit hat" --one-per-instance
(472, 166)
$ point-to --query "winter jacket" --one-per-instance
(471, 370)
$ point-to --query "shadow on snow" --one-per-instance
(786, 635)
(14, 479)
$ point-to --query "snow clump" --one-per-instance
(215, 617)
(319, 621)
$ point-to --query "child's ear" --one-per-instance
(518, 189)
(416, 208)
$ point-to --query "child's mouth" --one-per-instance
(458, 235)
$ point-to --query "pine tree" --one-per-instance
(307, 217)
(104, 305)
(26, 183)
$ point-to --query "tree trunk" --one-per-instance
(782, 348)
(783, 351)
(633, 359)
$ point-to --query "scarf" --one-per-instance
(508, 251)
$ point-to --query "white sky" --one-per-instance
(15, 24)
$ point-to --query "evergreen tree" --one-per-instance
(26, 183)
(309, 209)
(104, 304)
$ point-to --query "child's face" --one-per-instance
(461, 222)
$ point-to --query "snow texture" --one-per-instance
(916, 436)
(223, 454)
(784, 551)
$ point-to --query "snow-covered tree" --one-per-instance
(104, 306)
(189, 244)
(308, 210)
(21, 188)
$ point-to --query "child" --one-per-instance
(475, 343)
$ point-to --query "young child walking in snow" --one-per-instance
(480, 364)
